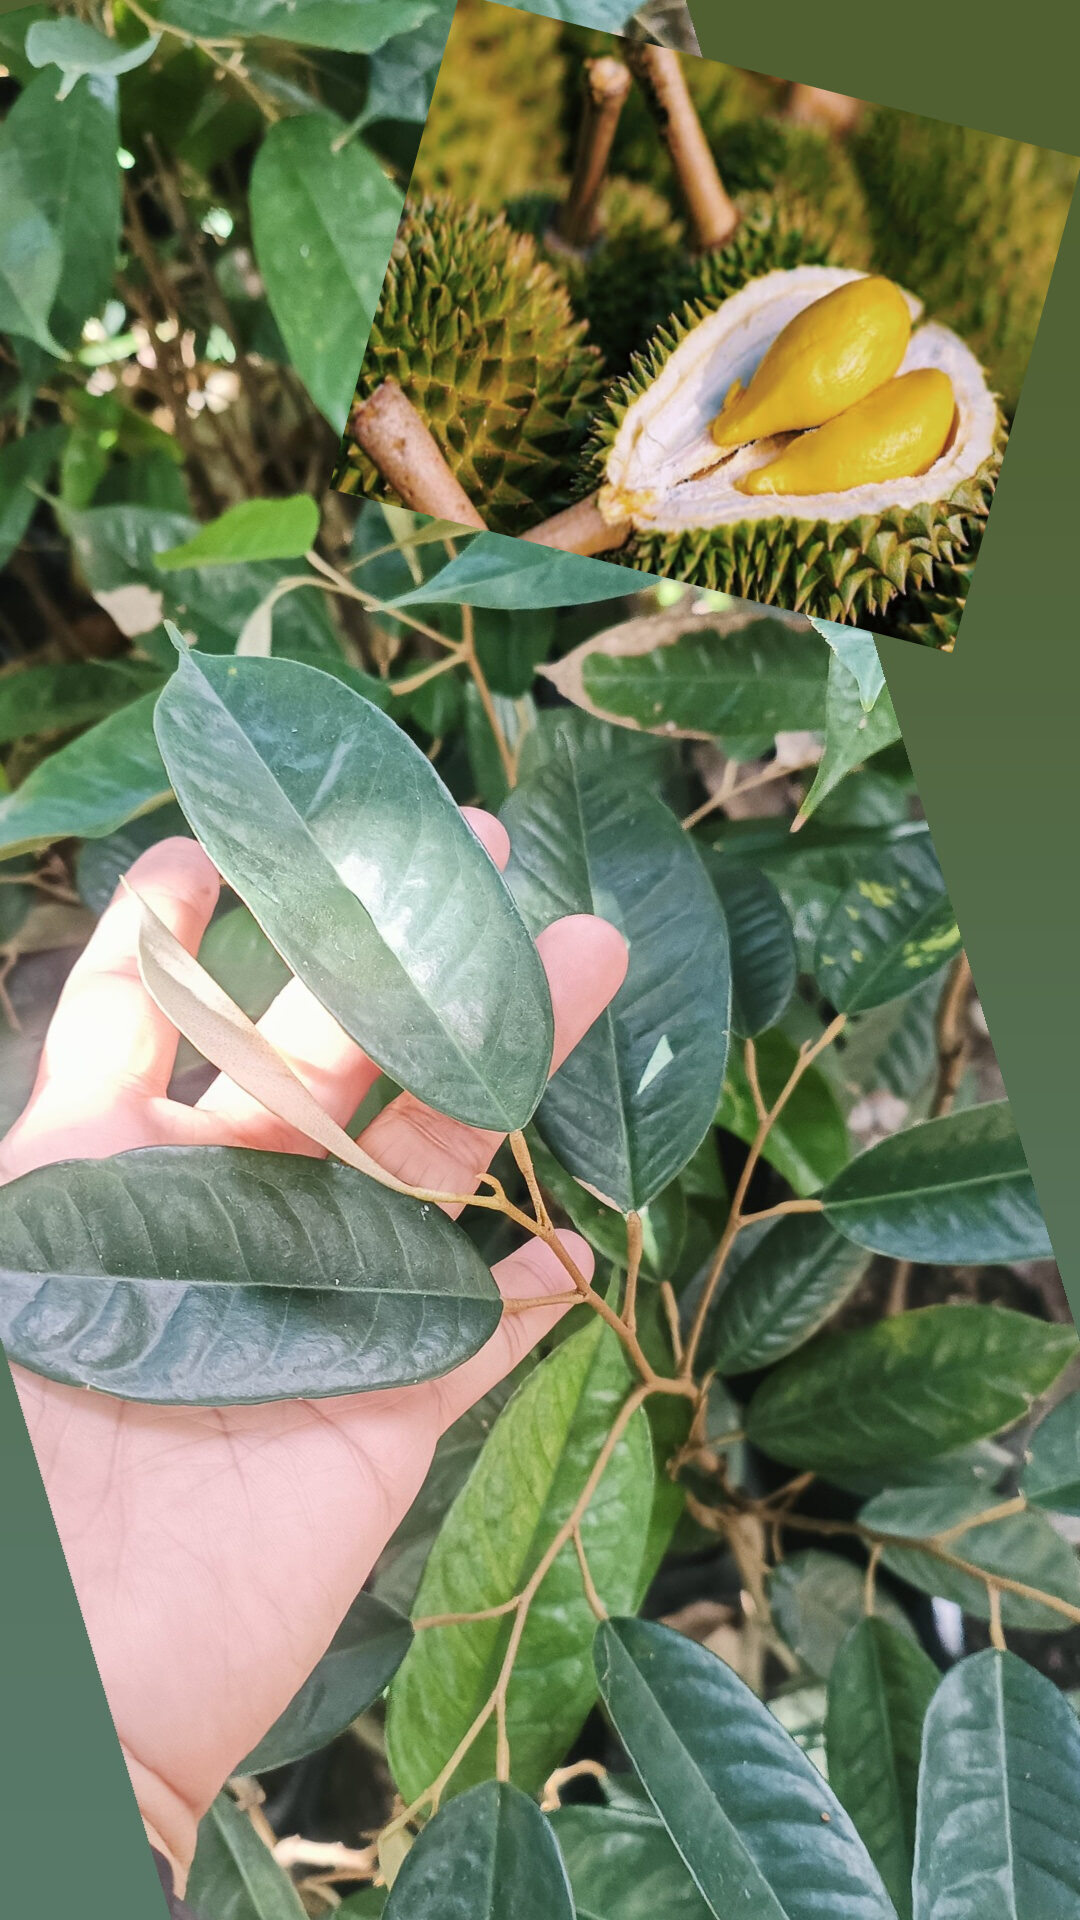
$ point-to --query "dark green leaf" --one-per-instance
(879, 1689)
(99, 863)
(763, 677)
(362, 1658)
(489, 1855)
(402, 74)
(635, 1098)
(214, 1275)
(497, 571)
(853, 733)
(110, 774)
(663, 1221)
(622, 1865)
(236, 952)
(77, 48)
(349, 26)
(758, 1828)
(521, 1491)
(817, 1598)
(51, 699)
(252, 530)
(24, 465)
(509, 651)
(808, 1143)
(1051, 1477)
(1019, 1546)
(884, 937)
(31, 260)
(762, 944)
(234, 1876)
(323, 222)
(952, 1191)
(366, 878)
(790, 1283)
(643, 759)
(998, 1793)
(906, 1388)
(66, 151)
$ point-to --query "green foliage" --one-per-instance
(362, 1658)
(879, 1689)
(233, 1873)
(491, 1853)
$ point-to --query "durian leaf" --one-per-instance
(747, 1810)
(30, 261)
(108, 775)
(636, 1097)
(955, 1191)
(1051, 1477)
(234, 1874)
(77, 48)
(853, 733)
(323, 222)
(906, 1388)
(808, 1143)
(499, 572)
(50, 699)
(859, 653)
(622, 1865)
(520, 1492)
(663, 1221)
(403, 71)
(792, 1280)
(252, 530)
(879, 1689)
(490, 1854)
(763, 967)
(360, 1661)
(885, 936)
(998, 1791)
(206, 1276)
(1019, 1546)
(366, 878)
(816, 1600)
(24, 465)
(348, 26)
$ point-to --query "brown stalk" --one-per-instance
(820, 107)
(713, 214)
(607, 83)
(409, 457)
(580, 529)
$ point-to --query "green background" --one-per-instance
(992, 732)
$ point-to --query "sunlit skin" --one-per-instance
(214, 1552)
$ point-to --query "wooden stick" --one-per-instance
(819, 107)
(713, 214)
(409, 457)
(580, 529)
(607, 83)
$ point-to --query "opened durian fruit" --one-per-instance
(811, 442)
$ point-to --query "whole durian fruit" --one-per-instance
(477, 328)
(496, 122)
(812, 170)
(972, 222)
(894, 556)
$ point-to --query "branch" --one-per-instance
(580, 529)
(409, 458)
(713, 214)
(607, 83)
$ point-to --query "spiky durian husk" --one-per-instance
(812, 170)
(972, 223)
(495, 127)
(478, 330)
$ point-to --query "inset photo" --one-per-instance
(714, 325)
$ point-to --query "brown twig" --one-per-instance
(733, 788)
(507, 757)
(550, 1800)
(820, 107)
(713, 214)
(607, 83)
(392, 434)
(580, 529)
(952, 1036)
(633, 1268)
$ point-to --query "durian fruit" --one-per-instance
(895, 432)
(478, 330)
(810, 167)
(883, 555)
(973, 222)
(496, 123)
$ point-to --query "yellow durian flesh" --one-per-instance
(829, 357)
(894, 433)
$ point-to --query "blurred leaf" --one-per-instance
(858, 653)
(30, 260)
(360, 1661)
(24, 465)
(350, 26)
(252, 530)
(1051, 1477)
(107, 776)
(234, 1875)
(488, 1855)
(499, 572)
(808, 1143)
(43, 699)
(817, 1598)
(402, 73)
(66, 152)
(99, 863)
(77, 48)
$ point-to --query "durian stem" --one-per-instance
(580, 529)
(819, 107)
(607, 83)
(712, 211)
(409, 457)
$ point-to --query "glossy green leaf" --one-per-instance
(234, 1876)
(792, 1280)
(635, 1098)
(361, 1660)
(817, 1598)
(108, 775)
(763, 677)
(998, 1792)
(663, 1221)
(252, 530)
(622, 1865)
(879, 1689)
(1051, 1477)
(497, 571)
(853, 733)
(25, 464)
(521, 1491)
(955, 1191)
(349, 26)
(66, 151)
(489, 1855)
(758, 1828)
(402, 74)
(77, 48)
(761, 940)
(509, 651)
(366, 878)
(323, 222)
(808, 1143)
(883, 937)
(1022, 1547)
(906, 1388)
(218, 1275)
(859, 653)
(53, 698)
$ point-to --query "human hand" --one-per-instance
(214, 1552)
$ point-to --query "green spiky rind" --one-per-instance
(971, 222)
(814, 172)
(478, 330)
(495, 125)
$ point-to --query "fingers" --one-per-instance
(331, 1065)
(532, 1271)
(107, 1035)
(585, 960)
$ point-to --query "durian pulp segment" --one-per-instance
(662, 472)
